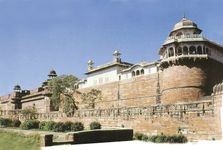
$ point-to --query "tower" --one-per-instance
(52, 74)
(188, 62)
(17, 88)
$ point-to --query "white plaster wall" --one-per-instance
(102, 77)
(147, 70)
(153, 69)
(112, 75)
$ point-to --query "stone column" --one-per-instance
(174, 51)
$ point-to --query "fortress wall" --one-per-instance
(138, 91)
(7, 106)
(5, 102)
(42, 105)
(198, 121)
(182, 83)
(215, 75)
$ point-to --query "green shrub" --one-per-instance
(145, 137)
(177, 139)
(15, 123)
(59, 127)
(95, 125)
(5, 122)
(152, 138)
(168, 139)
(141, 136)
(30, 124)
(161, 139)
(29, 112)
(68, 125)
(77, 126)
(42, 125)
(49, 125)
(138, 136)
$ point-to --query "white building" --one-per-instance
(115, 71)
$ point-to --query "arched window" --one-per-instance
(137, 72)
(179, 51)
(179, 34)
(192, 50)
(142, 71)
(199, 50)
(208, 51)
(171, 53)
(133, 73)
(185, 50)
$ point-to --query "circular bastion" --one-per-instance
(182, 83)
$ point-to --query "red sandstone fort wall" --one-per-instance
(215, 75)
(182, 84)
(198, 120)
(41, 105)
(138, 91)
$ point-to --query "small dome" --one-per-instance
(90, 62)
(52, 73)
(184, 23)
(116, 53)
(17, 88)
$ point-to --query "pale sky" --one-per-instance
(39, 35)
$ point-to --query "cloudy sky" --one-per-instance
(39, 35)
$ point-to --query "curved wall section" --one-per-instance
(182, 84)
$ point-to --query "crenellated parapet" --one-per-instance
(218, 88)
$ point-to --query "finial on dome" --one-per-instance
(90, 64)
(184, 16)
(186, 25)
(117, 55)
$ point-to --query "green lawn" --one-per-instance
(15, 141)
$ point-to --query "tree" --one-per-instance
(90, 98)
(29, 112)
(62, 88)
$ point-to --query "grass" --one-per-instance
(15, 141)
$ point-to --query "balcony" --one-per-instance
(189, 56)
(192, 37)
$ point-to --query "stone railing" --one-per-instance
(9, 112)
(192, 36)
(183, 56)
(18, 114)
(149, 111)
(172, 110)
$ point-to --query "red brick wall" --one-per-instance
(182, 84)
(138, 91)
(195, 125)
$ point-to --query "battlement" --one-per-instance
(218, 89)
